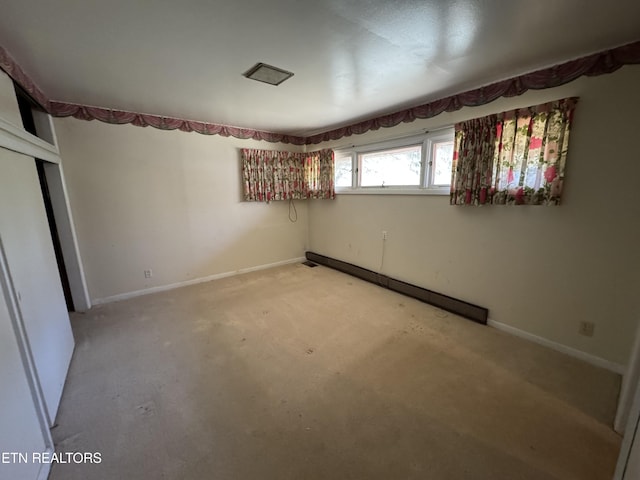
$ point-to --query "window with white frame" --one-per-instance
(412, 165)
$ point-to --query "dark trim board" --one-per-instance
(459, 307)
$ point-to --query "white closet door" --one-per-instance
(31, 261)
(21, 431)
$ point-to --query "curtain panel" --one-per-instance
(270, 175)
(320, 174)
(514, 158)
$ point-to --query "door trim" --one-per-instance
(20, 141)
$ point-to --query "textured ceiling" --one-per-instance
(352, 59)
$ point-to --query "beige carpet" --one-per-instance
(307, 373)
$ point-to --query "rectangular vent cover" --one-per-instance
(262, 72)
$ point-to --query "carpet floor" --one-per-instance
(308, 373)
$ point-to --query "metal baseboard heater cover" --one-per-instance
(453, 305)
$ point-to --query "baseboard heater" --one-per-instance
(453, 305)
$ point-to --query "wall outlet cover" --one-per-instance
(586, 328)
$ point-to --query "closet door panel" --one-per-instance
(20, 428)
(31, 260)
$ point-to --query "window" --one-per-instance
(396, 167)
(415, 165)
(344, 171)
(441, 158)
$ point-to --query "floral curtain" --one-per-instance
(515, 158)
(277, 175)
(320, 174)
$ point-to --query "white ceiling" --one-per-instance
(352, 59)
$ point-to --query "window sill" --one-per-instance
(393, 191)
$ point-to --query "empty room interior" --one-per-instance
(319, 240)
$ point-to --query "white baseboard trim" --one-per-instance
(171, 286)
(587, 357)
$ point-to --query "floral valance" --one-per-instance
(516, 157)
(279, 175)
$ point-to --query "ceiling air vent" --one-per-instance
(267, 74)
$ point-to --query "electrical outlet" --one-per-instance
(586, 328)
(384, 234)
(148, 273)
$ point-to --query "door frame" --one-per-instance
(631, 441)
(627, 421)
(19, 140)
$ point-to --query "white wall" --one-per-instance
(169, 201)
(9, 110)
(539, 269)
